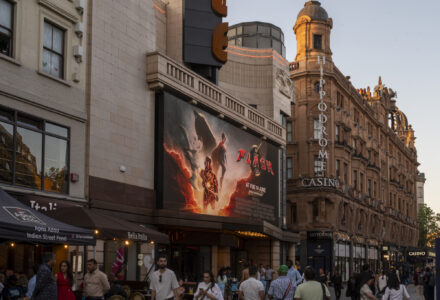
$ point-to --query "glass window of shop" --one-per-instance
(373, 259)
(33, 152)
(189, 262)
(342, 259)
(129, 261)
(358, 257)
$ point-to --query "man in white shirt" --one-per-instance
(163, 282)
(251, 289)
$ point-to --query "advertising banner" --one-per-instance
(209, 166)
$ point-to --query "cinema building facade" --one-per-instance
(351, 162)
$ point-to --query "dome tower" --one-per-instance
(312, 31)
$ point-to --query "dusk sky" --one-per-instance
(396, 39)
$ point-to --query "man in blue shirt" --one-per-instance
(283, 287)
(31, 283)
(293, 273)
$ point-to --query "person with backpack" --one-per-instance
(395, 290)
(428, 284)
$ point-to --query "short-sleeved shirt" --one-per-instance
(269, 273)
(279, 286)
(164, 284)
(366, 290)
(311, 290)
(251, 289)
(213, 290)
(294, 275)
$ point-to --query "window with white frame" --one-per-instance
(53, 50)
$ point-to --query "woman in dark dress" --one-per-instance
(65, 281)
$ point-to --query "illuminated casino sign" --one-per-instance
(320, 182)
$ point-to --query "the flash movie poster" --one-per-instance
(212, 167)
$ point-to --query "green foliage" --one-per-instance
(429, 227)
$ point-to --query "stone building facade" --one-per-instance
(43, 111)
(354, 202)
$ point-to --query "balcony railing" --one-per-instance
(163, 71)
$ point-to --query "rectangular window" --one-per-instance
(361, 182)
(253, 106)
(317, 129)
(345, 173)
(289, 168)
(293, 213)
(289, 132)
(355, 182)
(53, 50)
(338, 168)
(337, 133)
(319, 166)
(369, 187)
(375, 189)
(317, 41)
(354, 145)
(35, 153)
(6, 24)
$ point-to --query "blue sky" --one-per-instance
(397, 39)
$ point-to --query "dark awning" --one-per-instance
(20, 223)
(108, 227)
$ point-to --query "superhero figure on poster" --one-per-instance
(210, 185)
(219, 158)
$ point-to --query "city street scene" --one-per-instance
(219, 150)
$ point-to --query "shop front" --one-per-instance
(319, 250)
(373, 256)
(359, 257)
(25, 234)
(342, 253)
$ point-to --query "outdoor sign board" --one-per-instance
(209, 166)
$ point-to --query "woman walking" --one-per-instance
(208, 289)
(395, 290)
(64, 280)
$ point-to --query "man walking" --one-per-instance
(337, 283)
(45, 286)
(251, 289)
(282, 288)
(293, 273)
(311, 289)
(163, 281)
(96, 284)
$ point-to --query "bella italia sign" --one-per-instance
(321, 162)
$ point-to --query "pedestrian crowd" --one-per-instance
(255, 283)
(388, 285)
(43, 285)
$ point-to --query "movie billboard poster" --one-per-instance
(213, 167)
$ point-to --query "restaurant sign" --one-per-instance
(137, 236)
